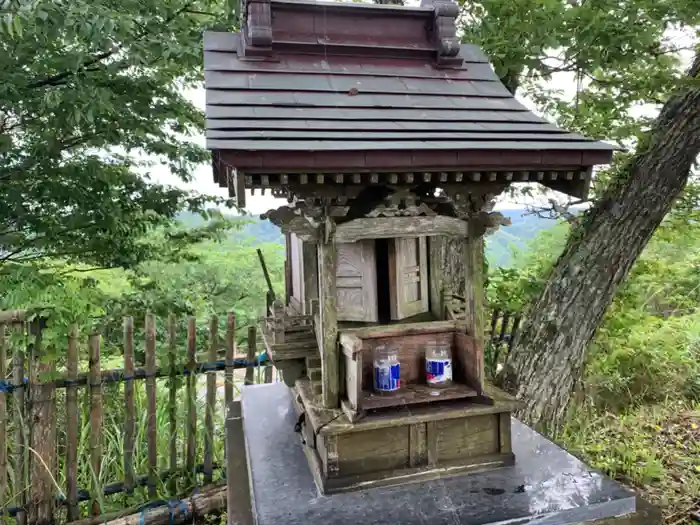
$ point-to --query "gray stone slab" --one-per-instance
(547, 486)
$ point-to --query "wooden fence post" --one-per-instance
(250, 358)
(191, 393)
(3, 420)
(152, 430)
(20, 450)
(230, 355)
(96, 417)
(129, 405)
(172, 400)
(211, 402)
(72, 426)
(43, 431)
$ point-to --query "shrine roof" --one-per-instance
(316, 87)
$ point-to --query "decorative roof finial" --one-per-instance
(444, 32)
(257, 28)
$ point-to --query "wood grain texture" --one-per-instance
(334, 421)
(350, 344)
(210, 402)
(43, 459)
(72, 427)
(415, 394)
(468, 356)
(312, 134)
(408, 277)
(411, 355)
(20, 438)
(474, 287)
(353, 382)
(504, 433)
(398, 477)
(328, 342)
(431, 439)
(389, 227)
(96, 421)
(374, 450)
(230, 354)
(250, 355)
(418, 445)
(190, 392)
(464, 438)
(356, 281)
(173, 387)
(129, 405)
(309, 265)
(403, 329)
(399, 451)
(3, 419)
(296, 267)
(151, 408)
(325, 124)
(362, 100)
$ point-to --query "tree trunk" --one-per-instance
(547, 359)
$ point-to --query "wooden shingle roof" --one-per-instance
(371, 88)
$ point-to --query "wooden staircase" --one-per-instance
(291, 343)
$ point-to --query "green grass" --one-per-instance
(113, 435)
(653, 448)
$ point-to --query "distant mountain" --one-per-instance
(499, 245)
(253, 228)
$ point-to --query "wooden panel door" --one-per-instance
(408, 274)
(297, 299)
(356, 282)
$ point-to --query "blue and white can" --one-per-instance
(438, 371)
(387, 376)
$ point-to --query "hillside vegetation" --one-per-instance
(502, 246)
(637, 412)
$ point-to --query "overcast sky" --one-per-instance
(203, 181)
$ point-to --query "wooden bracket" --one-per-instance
(443, 32)
(236, 184)
(257, 28)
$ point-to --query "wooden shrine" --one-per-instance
(390, 141)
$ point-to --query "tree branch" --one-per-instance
(59, 78)
(556, 210)
(83, 270)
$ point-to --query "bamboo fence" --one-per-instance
(29, 443)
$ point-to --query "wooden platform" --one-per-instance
(416, 394)
(545, 485)
(403, 445)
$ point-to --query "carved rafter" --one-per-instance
(476, 207)
(313, 217)
(403, 202)
(307, 221)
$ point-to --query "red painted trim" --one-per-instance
(410, 161)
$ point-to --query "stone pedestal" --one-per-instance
(546, 485)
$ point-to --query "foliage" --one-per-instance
(647, 348)
(512, 288)
(598, 67)
(655, 448)
(93, 95)
(621, 49)
(213, 276)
